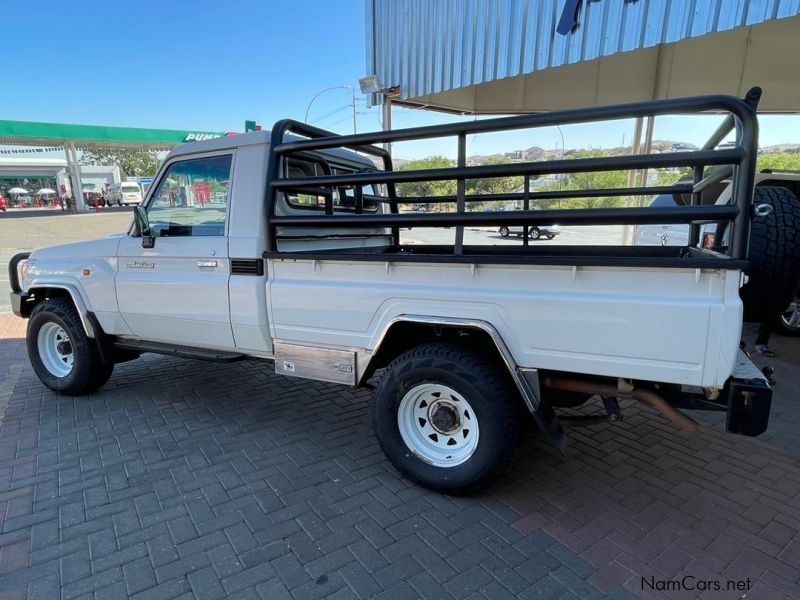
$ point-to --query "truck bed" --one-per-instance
(616, 321)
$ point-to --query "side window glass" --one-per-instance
(344, 197)
(300, 168)
(192, 198)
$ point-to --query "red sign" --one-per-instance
(201, 191)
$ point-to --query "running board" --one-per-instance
(173, 350)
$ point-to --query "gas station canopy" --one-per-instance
(26, 133)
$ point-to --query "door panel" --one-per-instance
(176, 292)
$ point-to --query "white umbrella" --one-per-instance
(44, 191)
(17, 190)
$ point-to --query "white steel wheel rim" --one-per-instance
(438, 425)
(55, 349)
(791, 316)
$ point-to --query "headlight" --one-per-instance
(23, 268)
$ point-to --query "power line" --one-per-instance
(333, 112)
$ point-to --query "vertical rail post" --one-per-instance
(694, 228)
(359, 199)
(461, 188)
(526, 205)
(744, 175)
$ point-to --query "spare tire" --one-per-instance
(774, 255)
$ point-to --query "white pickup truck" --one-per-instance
(288, 247)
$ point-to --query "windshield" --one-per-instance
(130, 189)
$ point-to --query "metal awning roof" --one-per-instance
(26, 133)
(507, 56)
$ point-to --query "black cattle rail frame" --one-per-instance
(736, 162)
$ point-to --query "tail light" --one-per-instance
(709, 240)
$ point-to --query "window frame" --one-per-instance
(330, 167)
(167, 165)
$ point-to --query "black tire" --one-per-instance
(551, 236)
(482, 383)
(88, 373)
(504, 232)
(774, 255)
(534, 233)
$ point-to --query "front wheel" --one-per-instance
(64, 358)
(534, 233)
(446, 417)
(504, 232)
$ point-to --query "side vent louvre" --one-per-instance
(247, 266)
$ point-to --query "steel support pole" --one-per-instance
(648, 146)
(461, 189)
(627, 230)
(386, 110)
(75, 176)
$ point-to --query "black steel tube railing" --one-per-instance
(577, 165)
(739, 160)
(709, 180)
(652, 108)
(552, 195)
(587, 216)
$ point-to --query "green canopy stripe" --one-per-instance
(32, 133)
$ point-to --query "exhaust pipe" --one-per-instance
(604, 389)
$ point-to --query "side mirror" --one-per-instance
(141, 226)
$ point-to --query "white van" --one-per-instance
(127, 192)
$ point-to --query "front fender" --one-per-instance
(77, 300)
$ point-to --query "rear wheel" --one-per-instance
(446, 417)
(64, 358)
(504, 232)
(774, 255)
(534, 233)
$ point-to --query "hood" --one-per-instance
(102, 248)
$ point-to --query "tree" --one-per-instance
(132, 162)
(428, 188)
(592, 181)
(493, 185)
(786, 161)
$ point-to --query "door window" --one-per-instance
(192, 198)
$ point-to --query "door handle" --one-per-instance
(207, 264)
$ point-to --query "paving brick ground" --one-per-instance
(184, 479)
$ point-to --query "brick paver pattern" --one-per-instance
(184, 479)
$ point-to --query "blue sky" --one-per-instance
(209, 65)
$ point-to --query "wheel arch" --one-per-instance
(40, 292)
(406, 331)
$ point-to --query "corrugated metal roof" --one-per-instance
(431, 46)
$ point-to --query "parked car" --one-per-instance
(457, 342)
(3, 205)
(534, 232)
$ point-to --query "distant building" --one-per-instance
(34, 174)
